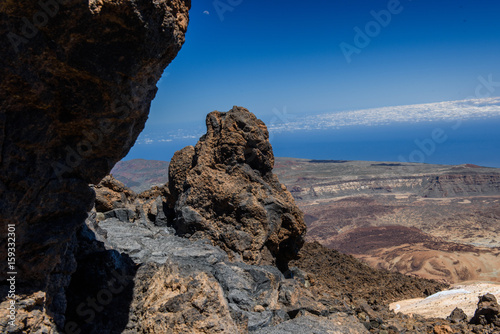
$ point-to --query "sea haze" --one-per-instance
(473, 142)
(456, 132)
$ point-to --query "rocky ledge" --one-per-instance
(172, 284)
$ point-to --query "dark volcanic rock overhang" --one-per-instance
(76, 82)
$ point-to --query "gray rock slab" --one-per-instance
(308, 324)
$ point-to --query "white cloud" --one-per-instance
(429, 112)
(416, 113)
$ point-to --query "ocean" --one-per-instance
(467, 142)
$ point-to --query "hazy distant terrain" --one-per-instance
(435, 221)
(140, 175)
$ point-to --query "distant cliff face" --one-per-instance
(224, 190)
(76, 81)
(462, 184)
(324, 179)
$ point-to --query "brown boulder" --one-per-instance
(115, 200)
(487, 312)
(224, 189)
(112, 194)
(457, 315)
(151, 204)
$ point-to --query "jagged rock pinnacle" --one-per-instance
(223, 189)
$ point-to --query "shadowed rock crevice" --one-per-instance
(101, 289)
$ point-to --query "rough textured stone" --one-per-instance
(310, 324)
(224, 190)
(112, 194)
(31, 313)
(114, 200)
(442, 329)
(487, 312)
(457, 315)
(299, 300)
(75, 92)
(178, 285)
(173, 299)
(152, 204)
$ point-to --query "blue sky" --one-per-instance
(286, 55)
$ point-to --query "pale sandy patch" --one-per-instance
(402, 196)
(440, 305)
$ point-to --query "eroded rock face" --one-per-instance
(224, 190)
(111, 194)
(173, 300)
(114, 200)
(76, 81)
(487, 312)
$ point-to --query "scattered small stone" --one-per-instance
(442, 329)
(259, 308)
(457, 315)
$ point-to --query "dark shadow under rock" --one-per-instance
(100, 292)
